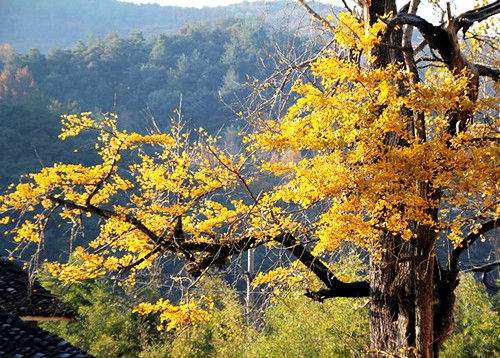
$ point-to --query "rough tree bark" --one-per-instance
(412, 297)
(411, 305)
(398, 311)
(392, 309)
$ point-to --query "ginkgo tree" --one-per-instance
(384, 157)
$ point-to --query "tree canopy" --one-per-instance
(370, 153)
(61, 24)
(205, 68)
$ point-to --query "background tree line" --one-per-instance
(139, 78)
(289, 325)
(61, 23)
(145, 78)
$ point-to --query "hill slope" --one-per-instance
(45, 24)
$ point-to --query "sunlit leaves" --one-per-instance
(343, 164)
(172, 316)
(354, 134)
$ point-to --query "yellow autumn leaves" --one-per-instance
(343, 164)
(355, 35)
(172, 316)
(360, 154)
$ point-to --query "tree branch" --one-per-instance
(166, 245)
(347, 6)
(107, 214)
(483, 268)
(447, 280)
(468, 18)
(437, 37)
(317, 16)
(488, 71)
(335, 287)
(468, 241)
(405, 8)
(219, 253)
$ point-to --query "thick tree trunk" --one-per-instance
(402, 285)
(412, 300)
(424, 294)
(402, 279)
(392, 307)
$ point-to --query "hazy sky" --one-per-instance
(460, 4)
(425, 9)
(190, 3)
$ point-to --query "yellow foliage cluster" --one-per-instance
(355, 35)
(343, 164)
(349, 132)
(288, 276)
(87, 266)
(172, 316)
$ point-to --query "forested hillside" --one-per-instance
(61, 23)
(136, 60)
(227, 182)
(141, 79)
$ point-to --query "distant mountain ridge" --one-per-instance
(46, 24)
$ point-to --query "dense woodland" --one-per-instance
(61, 23)
(367, 157)
(206, 67)
(290, 325)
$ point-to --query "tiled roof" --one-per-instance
(26, 298)
(20, 339)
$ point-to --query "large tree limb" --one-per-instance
(335, 287)
(469, 240)
(166, 243)
(219, 253)
(468, 18)
(447, 280)
(488, 71)
(445, 42)
(441, 39)
(437, 37)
